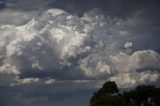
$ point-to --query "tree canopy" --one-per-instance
(142, 95)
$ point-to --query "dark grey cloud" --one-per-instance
(2, 4)
(115, 8)
(61, 93)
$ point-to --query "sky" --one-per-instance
(59, 52)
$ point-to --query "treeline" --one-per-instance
(142, 95)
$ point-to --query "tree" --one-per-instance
(143, 95)
(107, 95)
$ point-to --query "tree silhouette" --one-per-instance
(142, 95)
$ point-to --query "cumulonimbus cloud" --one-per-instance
(50, 42)
(54, 52)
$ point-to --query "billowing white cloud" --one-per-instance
(135, 78)
(50, 81)
(19, 81)
(126, 69)
(93, 69)
(65, 45)
(128, 45)
(9, 69)
(139, 60)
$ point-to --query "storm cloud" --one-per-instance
(54, 52)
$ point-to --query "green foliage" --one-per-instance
(143, 95)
